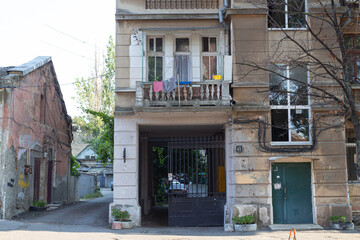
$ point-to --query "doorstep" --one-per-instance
(280, 227)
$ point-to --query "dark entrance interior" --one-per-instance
(182, 175)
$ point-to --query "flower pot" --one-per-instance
(245, 227)
(342, 226)
(37, 209)
(121, 225)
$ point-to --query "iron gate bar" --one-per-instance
(202, 204)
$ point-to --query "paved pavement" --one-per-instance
(88, 220)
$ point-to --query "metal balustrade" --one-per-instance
(182, 4)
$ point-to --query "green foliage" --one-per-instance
(160, 164)
(122, 216)
(97, 92)
(103, 144)
(93, 195)
(40, 203)
(247, 219)
(74, 169)
(338, 219)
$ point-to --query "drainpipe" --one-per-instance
(222, 22)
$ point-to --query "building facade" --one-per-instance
(35, 138)
(185, 85)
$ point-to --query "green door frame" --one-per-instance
(292, 198)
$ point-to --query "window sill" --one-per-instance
(290, 143)
(287, 29)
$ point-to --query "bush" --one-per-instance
(40, 203)
(93, 195)
(122, 216)
(247, 219)
(338, 219)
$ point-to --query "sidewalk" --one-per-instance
(42, 231)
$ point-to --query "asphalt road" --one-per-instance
(93, 212)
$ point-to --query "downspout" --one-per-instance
(222, 22)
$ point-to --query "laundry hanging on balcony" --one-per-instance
(169, 85)
(158, 86)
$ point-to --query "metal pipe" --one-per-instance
(221, 15)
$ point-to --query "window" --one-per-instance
(352, 44)
(209, 58)
(182, 62)
(286, 13)
(351, 155)
(155, 59)
(289, 102)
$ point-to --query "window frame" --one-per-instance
(290, 107)
(183, 54)
(287, 18)
(208, 54)
(356, 53)
(154, 54)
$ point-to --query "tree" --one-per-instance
(104, 143)
(320, 47)
(97, 92)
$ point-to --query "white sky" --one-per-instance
(31, 28)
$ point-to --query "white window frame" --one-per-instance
(290, 107)
(209, 54)
(154, 54)
(287, 18)
(182, 54)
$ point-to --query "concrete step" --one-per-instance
(281, 227)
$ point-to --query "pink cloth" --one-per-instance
(158, 86)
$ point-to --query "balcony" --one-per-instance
(182, 4)
(195, 94)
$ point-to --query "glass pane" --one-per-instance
(159, 44)
(299, 125)
(298, 89)
(213, 66)
(278, 85)
(205, 67)
(358, 69)
(182, 45)
(205, 42)
(182, 67)
(276, 17)
(151, 44)
(357, 42)
(351, 67)
(348, 41)
(279, 128)
(212, 44)
(159, 68)
(151, 72)
(296, 9)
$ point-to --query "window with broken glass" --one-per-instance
(155, 59)
(286, 13)
(352, 44)
(209, 58)
(289, 103)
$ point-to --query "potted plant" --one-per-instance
(121, 219)
(340, 223)
(244, 224)
(38, 206)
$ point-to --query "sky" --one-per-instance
(70, 31)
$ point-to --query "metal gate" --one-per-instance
(196, 182)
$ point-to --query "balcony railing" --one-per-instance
(182, 4)
(196, 94)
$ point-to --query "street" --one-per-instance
(89, 220)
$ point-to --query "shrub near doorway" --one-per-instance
(121, 219)
(340, 223)
(244, 224)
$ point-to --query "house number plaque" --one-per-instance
(239, 149)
